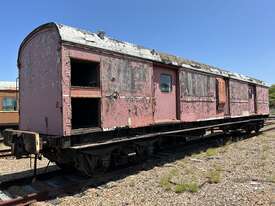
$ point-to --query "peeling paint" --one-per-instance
(129, 77)
(86, 38)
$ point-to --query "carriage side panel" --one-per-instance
(262, 100)
(239, 103)
(197, 96)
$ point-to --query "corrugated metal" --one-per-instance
(82, 37)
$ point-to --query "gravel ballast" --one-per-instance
(238, 173)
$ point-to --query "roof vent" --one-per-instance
(153, 52)
(101, 34)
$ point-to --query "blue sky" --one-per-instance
(238, 35)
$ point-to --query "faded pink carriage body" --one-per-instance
(129, 90)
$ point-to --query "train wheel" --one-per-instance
(66, 167)
(86, 164)
(103, 164)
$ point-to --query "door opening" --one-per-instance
(85, 112)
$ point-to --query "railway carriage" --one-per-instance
(88, 101)
(8, 106)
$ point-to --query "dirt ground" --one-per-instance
(11, 168)
(238, 173)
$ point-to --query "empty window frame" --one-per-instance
(85, 112)
(84, 73)
(165, 83)
(9, 104)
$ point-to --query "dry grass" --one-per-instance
(186, 187)
(214, 176)
(211, 152)
(271, 178)
(165, 181)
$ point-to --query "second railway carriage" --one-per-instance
(8, 106)
(87, 100)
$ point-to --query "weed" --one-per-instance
(132, 183)
(265, 148)
(218, 167)
(214, 176)
(181, 164)
(271, 178)
(264, 156)
(165, 181)
(187, 187)
(211, 152)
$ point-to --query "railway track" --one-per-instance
(27, 190)
(47, 186)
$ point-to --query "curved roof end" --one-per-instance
(30, 35)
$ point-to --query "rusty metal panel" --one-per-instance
(197, 96)
(262, 103)
(252, 99)
(40, 86)
(222, 96)
(126, 92)
(239, 105)
(221, 91)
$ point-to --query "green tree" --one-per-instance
(272, 97)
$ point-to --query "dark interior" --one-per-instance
(84, 73)
(85, 112)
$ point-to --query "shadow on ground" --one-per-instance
(168, 155)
